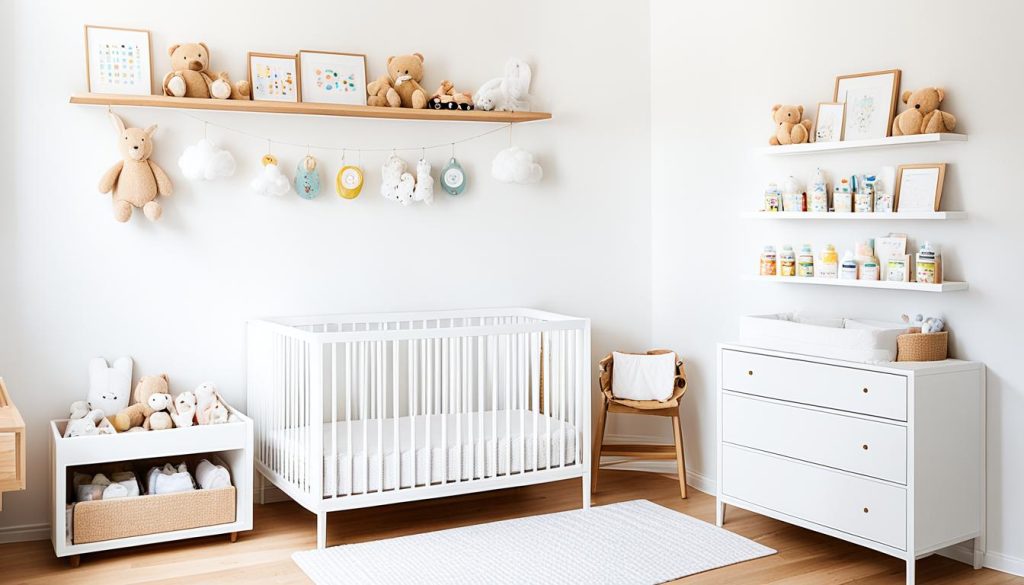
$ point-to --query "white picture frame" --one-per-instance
(333, 78)
(870, 100)
(118, 60)
(274, 77)
(829, 122)
(919, 187)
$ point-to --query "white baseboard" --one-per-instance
(24, 533)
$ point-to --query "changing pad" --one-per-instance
(856, 340)
(534, 440)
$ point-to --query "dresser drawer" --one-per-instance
(858, 506)
(878, 449)
(838, 387)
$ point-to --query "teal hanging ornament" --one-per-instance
(453, 178)
(307, 178)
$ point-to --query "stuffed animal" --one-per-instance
(184, 412)
(790, 125)
(925, 324)
(91, 423)
(110, 387)
(424, 190)
(396, 183)
(509, 93)
(136, 415)
(401, 86)
(160, 419)
(190, 75)
(210, 408)
(135, 181)
(923, 115)
(446, 98)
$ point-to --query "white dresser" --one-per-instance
(891, 457)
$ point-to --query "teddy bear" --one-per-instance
(190, 75)
(509, 93)
(137, 414)
(401, 86)
(160, 419)
(135, 181)
(447, 98)
(923, 115)
(790, 125)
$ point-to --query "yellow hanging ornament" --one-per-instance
(349, 182)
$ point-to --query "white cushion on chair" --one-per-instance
(643, 377)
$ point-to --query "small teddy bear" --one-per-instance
(190, 75)
(790, 125)
(923, 115)
(400, 88)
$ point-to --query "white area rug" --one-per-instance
(629, 543)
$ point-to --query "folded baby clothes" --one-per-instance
(210, 476)
(169, 479)
(100, 487)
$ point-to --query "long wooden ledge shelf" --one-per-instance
(810, 147)
(831, 215)
(947, 286)
(160, 101)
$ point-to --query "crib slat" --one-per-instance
(563, 415)
(444, 387)
(348, 418)
(492, 360)
(507, 435)
(364, 411)
(396, 449)
(521, 393)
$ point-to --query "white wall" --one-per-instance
(175, 295)
(715, 77)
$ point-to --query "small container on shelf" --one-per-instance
(787, 262)
(929, 264)
(772, 198)
(828, 266)
(769, 261)
(805, 262)
(915, 346)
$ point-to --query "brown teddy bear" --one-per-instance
(190, 75)
(401, 86)
(139, 413)
(135, 181)
(923, 115)
(790, 125)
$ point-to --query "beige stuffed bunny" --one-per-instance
(136, 180)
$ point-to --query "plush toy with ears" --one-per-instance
(400, 88)
(136, 180)
(923, 115)
(137, 415)
(190, 75)
(790, 125)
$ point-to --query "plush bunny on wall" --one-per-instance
(136, 180)
(510, 93)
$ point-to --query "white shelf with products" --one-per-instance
(810, 147)
(900, 215)
(948, 286)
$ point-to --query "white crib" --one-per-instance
(353, 411)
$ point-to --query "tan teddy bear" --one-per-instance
(790, 125)
(135, 181)
(401, 86)
(923, 115)
(139, 414)
(190, 75)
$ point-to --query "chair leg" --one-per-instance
(595, 454)
(677, 430)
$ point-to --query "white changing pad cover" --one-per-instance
(855, 340)
(532, 441)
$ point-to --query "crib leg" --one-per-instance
(586, 491)
(321, 529)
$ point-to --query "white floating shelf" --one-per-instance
(860, 144)
(904, 215)
(944, 287)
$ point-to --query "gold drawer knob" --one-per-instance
(750, 372)
(864, 446)
(865, 390)
(866, 510)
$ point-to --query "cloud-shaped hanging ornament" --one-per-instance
(205, 161)
(515, 165)
(271, 182)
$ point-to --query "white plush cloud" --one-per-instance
(271, 182)
(515, 165)
(204, 160)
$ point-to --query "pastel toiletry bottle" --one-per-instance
(842, 196)
(769, 261)
(929, 264)
(848, 271)
(864, 199)
(787, 262)
(828, 266)
(805, 262)
(772, 198)
(867, 263)
(869, 270)
(794, 198)
(819, 193)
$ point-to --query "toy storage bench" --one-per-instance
(119, 523)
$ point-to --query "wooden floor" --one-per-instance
(263, 555)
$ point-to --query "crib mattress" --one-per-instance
(524, 440)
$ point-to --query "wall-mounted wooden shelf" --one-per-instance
(947, 286)
(820, 147)
(160, 101)
(816, 215)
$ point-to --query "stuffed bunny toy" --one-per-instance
(160, 418)
(184, 411)
(136, 180)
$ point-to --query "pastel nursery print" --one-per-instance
(120, 64)
(333, 78)
(274, 78)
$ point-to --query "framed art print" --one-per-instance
(870, 100)
(828, 124)
(333, 78)
(919, 187)
(274, 78)
(118, 60)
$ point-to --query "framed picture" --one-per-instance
(333, 78)
(118, 60)
(828, 124)
(919, 187)
(274, 78)
(870, 100)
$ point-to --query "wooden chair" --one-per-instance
(668, 408)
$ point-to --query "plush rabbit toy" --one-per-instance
(135, 181)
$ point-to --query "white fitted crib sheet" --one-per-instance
(533, 439)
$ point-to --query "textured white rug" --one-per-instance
(629, 543)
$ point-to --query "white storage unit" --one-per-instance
(891, 457)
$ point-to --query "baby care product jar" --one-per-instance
(805, 262)
(929, 264)
(828, 266)
(819, 193)
(772, 198)
(787, 262)
(848, 270)
(794, 198)
(769, 261)
(869, 270)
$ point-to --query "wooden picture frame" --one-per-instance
(855, 114)
(917, 196)
(313, 85)
(842, 121)
(104, 82)
(274, 90)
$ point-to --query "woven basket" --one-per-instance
(123, 517)
(922, 347)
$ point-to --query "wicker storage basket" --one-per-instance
(124, 517)
(922, 347)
